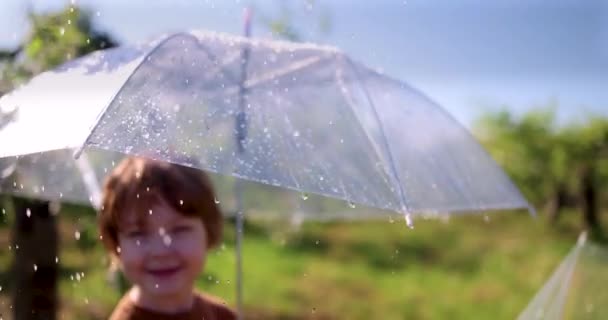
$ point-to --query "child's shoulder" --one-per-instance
(219, 306)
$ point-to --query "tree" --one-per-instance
(552, 165)
(54, 39)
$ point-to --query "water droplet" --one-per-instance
(28, 212)
(304, 196)
(296, 134)
(162, 231)
(486, 218)
(35, 267)
(181, 202)
(77, 235)
(56, 259)
(0, 288)
(167, 240)
(391, 220)
(3, 211)
(351, 204)
(317, 242)
(118, 249)
(78, 277)
(61, 31)
(156, 286)
(216, 201)
(138, 243)
(321, 178)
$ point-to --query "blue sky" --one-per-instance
(468, 55)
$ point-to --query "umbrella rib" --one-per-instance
(104, 112)
(384, 141)
(466, 133)
(252, 83)
(291, 174)
(352, 105)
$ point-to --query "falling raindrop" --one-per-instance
(304, 196)
(156, 286)
(296, 134)
(62, 31)
(351, 204)
(35, 267)
(486, 218)
(56, 259)
(28, 212)
(150, 211)
(391, 220)
(181, 202)
(216, 201)
(321, 178)
(3, 211)
(118, 249)
(77, 235)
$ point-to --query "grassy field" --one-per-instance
(469, 267)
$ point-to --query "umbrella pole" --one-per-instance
(241, 134)
(239, 246)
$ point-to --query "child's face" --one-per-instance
(163, 256)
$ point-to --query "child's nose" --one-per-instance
(161, 243)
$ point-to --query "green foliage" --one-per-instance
(54, 38)
(550, 163)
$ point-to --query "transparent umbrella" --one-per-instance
(298, 116)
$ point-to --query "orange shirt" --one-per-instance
(204, 307)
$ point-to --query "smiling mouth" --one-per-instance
(164, 272)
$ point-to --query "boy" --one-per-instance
(157, 221)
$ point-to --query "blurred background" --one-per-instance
(527, 78)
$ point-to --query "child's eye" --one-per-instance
(135, 234)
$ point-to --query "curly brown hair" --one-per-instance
(137, 184)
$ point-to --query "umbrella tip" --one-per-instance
(409, 221)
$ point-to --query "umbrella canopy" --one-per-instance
(307, 117)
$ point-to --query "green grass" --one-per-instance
(467, 268)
